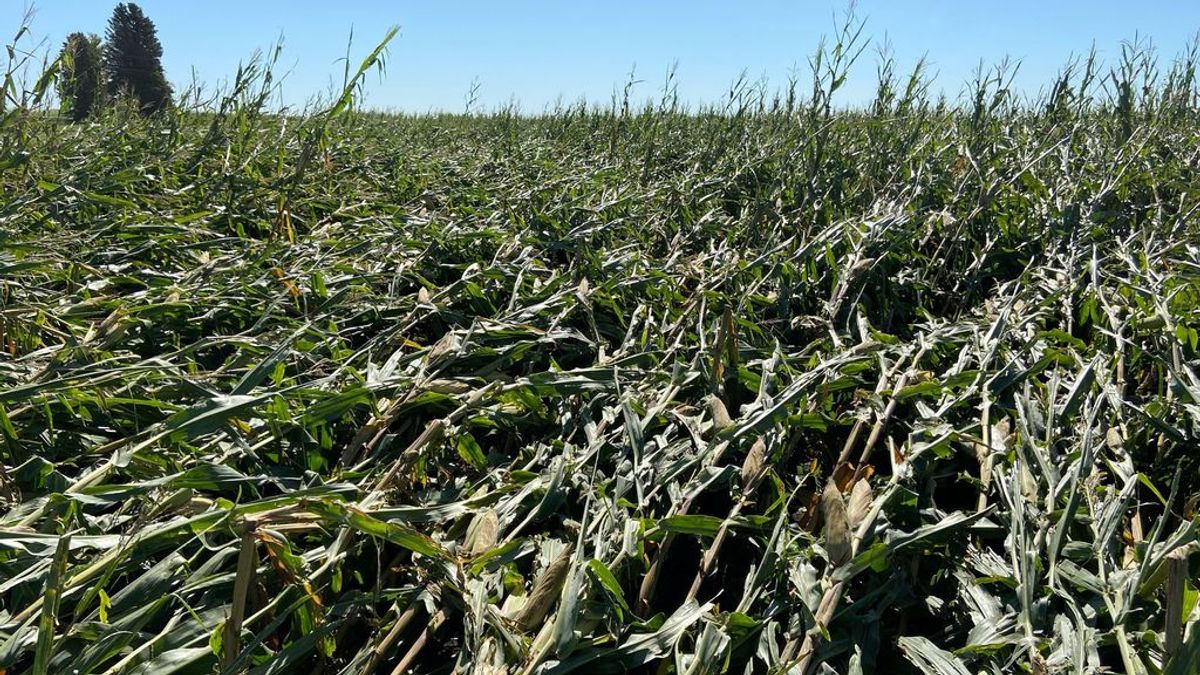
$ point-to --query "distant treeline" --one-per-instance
(126, 66)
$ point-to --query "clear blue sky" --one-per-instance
(535, 51)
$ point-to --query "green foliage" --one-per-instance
(715, 390)
(133, 60)
(79, 77)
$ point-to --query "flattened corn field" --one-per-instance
(763, 387)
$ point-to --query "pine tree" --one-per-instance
(79, 82)
(132, 59)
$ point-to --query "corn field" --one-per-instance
(765, 386)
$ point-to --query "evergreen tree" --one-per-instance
(132, 59)
(79, 81)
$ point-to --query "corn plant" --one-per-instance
(751, 387)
